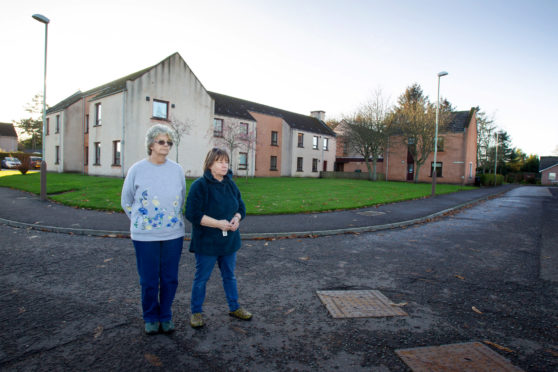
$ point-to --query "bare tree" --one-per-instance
(249, 144)
(180, 128)
(366, 131)
(231, 138)
(415, 120)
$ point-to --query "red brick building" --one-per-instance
(456, 158)
(548, 169)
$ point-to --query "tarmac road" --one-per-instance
(73, 302)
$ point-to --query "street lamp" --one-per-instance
(41, 18)
(435, 165)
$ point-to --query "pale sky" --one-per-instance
(297, 55)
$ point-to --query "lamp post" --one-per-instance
(41, 18)
(496, 159)
(435, 165)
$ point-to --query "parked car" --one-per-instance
(10, 163)
(35, 162)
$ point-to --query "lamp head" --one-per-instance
(41, 18)
(442, 73)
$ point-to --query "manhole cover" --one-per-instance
(359, 304)
(471, 356)
(371, 213)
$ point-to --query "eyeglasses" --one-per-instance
(163, 142)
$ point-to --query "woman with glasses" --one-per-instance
(153, 197)
(215, 209)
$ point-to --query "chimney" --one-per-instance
(320, 115)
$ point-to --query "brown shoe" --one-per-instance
(240, 313)
(196, 320)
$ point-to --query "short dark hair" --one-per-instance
(215, 154)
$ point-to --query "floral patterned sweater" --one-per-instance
(153, 197)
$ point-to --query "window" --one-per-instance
(552, 176)
(438, 169)
(315, 142)
(345, 147)
(97, 153)
(98, 114)
(273, 163)
(326, 144)
(86, 156)
(314, 165)
(242, 160)
(273, 138)
(47, 126)
(116, 153)
(440, 144)
(217, 127)
(299, 164)
(244, 129)
(57, 155)
(160, 109)
(470, 169)
(57, 129)
(301, 140)
(86, 129)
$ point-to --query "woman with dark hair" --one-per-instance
(215, 209)
(153, 197)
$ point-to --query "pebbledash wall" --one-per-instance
(126, 114)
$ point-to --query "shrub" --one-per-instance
(488, 179)
(25, 160)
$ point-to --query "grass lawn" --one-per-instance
(261, 195)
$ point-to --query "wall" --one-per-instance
(109, 130)
(308, 153)
(72, 138)
(234, 123)
(172, 81)
(52, 140)
(544, 176)
(8, 144)
(264, 150)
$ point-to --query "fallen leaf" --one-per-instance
(498, 346)
(266, 243)
(107, 259)
(153, 360)
(476, 310)
(460, 277)
(552, 352)
(21, 310)
(401, 304)
(98, 332)
(306, 258)
(289, 311)
(239, 330)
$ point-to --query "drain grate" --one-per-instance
(471, 356)
(359, 304)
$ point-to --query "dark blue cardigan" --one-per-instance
(219, 200)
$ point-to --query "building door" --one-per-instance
(410, 167)
(325, 165)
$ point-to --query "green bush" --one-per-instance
(488, 179)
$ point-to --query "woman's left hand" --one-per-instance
(235, 223)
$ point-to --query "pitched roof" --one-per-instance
(547, 162)
(104, 90)
(239, 108)
(7, 130)
(460, 120)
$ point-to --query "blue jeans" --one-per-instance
(158, 271)
(204, 267)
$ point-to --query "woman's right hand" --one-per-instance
(224, 225)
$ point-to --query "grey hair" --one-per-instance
(156, 131)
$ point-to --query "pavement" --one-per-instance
(25, 210)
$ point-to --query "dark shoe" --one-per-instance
(167, 327)
(196, 320)
(240, 313)
(151, 328)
